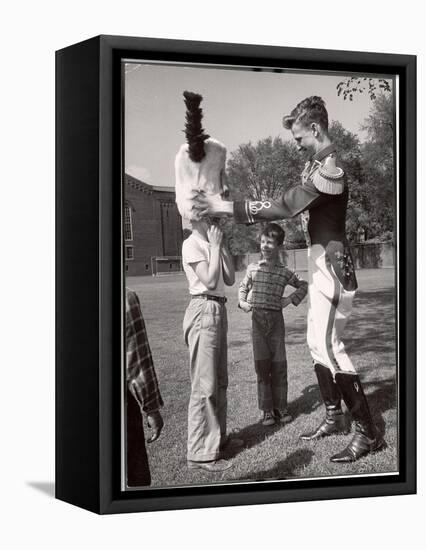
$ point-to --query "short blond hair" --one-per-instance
(312, 109)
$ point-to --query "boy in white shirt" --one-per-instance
(200, 166)
(208, 267)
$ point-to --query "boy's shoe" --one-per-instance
(268, 418)
(282, 416)
(219, 465)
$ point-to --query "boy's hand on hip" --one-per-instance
(285, 301)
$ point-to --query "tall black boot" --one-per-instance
(334, 421)
(366, 439)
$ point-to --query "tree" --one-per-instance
(257, 172)
(379, 164)
(381, 121)
(241, 238)
(350, 156)
(373, 203)
(372, 86)
(264, 170)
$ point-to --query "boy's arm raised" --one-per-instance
(208, 272)
(227, 266)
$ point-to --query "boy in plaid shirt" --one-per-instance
(261, 292)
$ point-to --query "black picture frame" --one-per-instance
(89, 279)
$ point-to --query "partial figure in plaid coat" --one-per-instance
(143, 394)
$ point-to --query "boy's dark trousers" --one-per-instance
(270, 358)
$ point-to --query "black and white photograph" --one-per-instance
(213, 233)
(260, 283)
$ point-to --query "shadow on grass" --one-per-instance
(380, 400)
(309, 400)
(372, 324)
(285, 468)
(237, 343)
(252, 435)
(295, 334)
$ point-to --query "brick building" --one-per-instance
(152, 228)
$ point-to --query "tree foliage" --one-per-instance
(258, 172)
(370, 171)
(264, 170)
(379, 165)
(360, 85)
(350, 156)
(271, 166)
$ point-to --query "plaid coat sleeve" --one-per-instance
(140, 373)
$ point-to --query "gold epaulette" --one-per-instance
(329, 178)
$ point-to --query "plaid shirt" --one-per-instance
(263, 286)
(140, 373)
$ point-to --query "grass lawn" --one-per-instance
(275, 452)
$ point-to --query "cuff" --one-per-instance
(295, 300)
(240, 212)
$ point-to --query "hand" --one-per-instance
(198, 204)
(285, 301)
(217, 207)
(155, 423)
(245, 306)
(214, 235)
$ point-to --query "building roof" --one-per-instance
(146, 187)
(163, 189)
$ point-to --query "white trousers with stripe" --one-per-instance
(329, 308)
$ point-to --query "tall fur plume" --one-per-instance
(195, 135)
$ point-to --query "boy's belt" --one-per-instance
(220, 299)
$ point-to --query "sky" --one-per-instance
(238, 106)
